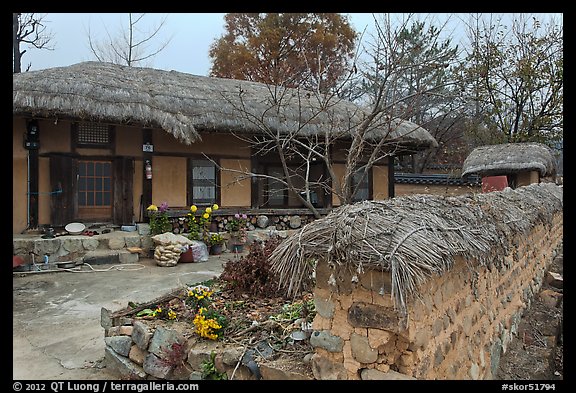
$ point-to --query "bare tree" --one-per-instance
(131, 45)
(406, 74)
(28, 28)
(514, 73)
(352, 140)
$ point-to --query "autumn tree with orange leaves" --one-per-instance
(306, 50)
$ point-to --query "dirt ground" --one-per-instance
(531, 355)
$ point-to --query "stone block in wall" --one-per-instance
(116, 243)
(351, 364)
(438, 299)
(163, 340)
(141, 334)
(407, 359)
(137, 355)
(196, 357)
(200, 351)
(387, 353)
(132, 241)
(324, 306)
(378, 337)
(369, 374)
(156, 367)
(324, 339)
(127, 257)
(122, 366)
(47, 246)
(120, 331)
(550, 298)
(120, 344)
(147, 242)
(372, 316)
(361, 349)
(71, 245)
(106, 319)
(325, 369)
(90, 244)
(382, 367)
(126, 330)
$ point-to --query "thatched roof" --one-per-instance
(415, 237)
(509, 158)
(184, 104)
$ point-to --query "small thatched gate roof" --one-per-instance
(184, 104)
(416, 236)
(509, 158)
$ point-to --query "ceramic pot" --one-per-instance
(216, 249)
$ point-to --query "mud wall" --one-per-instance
(457, 328)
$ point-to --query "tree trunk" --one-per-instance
(16, 43)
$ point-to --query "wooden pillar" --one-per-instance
(146, 183)
(254, 182)
(391, 177)
(32, 144)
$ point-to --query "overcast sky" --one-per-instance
(187, 51)
(191, 35)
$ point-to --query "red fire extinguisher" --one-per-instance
(148, 170)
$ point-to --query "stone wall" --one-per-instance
(270, 222)
(457, 328)
(139, 349)
(80, 247)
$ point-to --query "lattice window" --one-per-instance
(93, 134)
(94, 184)
(204, 182)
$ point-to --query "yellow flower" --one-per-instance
(193, 208)
(152, 208)
(208, 210)
(215, 207)
(171, 314)
(206, 215)
(206, 327)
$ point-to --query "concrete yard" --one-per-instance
(56, 315)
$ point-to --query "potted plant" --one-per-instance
(216, 243)
(159, 221)
(238, 235)
(199, 225)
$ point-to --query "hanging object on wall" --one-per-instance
(32, 139)
(148, 170)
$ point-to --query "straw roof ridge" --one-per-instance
(184, 104)
(415, 237)
(507, 158)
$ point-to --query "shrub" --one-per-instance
(251, 274)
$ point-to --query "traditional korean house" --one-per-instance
(98, 142)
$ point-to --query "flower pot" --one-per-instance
(238, 248)
(216, 249)
(186, 256)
